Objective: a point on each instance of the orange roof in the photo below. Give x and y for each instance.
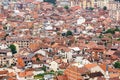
(73, 72)
(29, 0)
(29, 73)
(110, 52)
(34, 46)
(4, 72)
(36, 2)
(11, 79)
(20, 62)
(2, 34)
(58, 61)
(62, 77)
(103, 66)
(21, 74)
(91, 44)
(1, 20)
(114, 75)
(25, 73)
(55, 45)
(12, 74)
(75, 8)
(89, 66)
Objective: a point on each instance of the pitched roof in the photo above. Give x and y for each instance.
(3, 72)
(74, 72)
(114, 75)
(62, 77)
(89, 66)
(12, 74)
(25, 73)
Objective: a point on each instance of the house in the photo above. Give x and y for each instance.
(62, 77)
(80, 20)
(7, 61)
(75, 50)
(62, 3)
(37, 65)
(2, 34)
(3, 74)
(75, 73)
(37, 71)
(25, 75)
(109, 54)
(93, 67)
(93, 76)
(83, 3)
(3, 46)
(20, 63)
(22, 42)
(54, 65)
(5, 52)
(102, 3)
(48, 77)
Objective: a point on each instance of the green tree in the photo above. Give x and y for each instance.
(100, 36)
(116, 64)
(66, 7)
(91, 8)
(112, 31)
(13, 48)
(59, 72)
(117, 29)
(117, 0)
(69, 33)
(37, 59)
(104, 8)
(50, 1)
(44, 68)
(118, 39)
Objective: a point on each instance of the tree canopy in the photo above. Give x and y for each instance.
(13, 48)
(112, 31)
(91, 8)
(104, 8)
(37, 59)
(44, 68)
(117, 0)
(116, 64)
(69, 33)
(66, 7)
(50, 1)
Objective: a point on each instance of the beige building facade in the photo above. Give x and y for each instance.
(83, 3)
(114, 10)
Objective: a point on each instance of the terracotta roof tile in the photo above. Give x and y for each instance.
(114, 75)
(103, 66)
(3, 72)
(25, 73)
(89, 66)
(12, 74)
(62, 77)
(73, 72)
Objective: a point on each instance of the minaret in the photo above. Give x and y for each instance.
(107, 73)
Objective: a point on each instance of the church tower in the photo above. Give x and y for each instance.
(107, 73)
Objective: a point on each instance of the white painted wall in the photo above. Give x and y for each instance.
(54, 65)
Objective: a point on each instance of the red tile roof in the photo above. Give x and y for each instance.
(62, 77)
(3, 72)
(89, 66)
(74, 73)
